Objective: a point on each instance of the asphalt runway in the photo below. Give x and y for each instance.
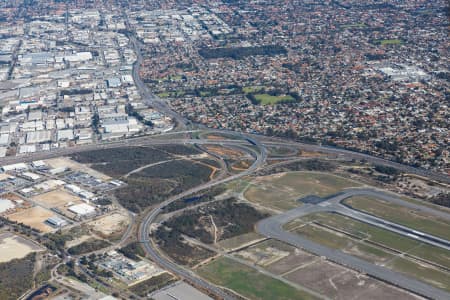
(272, 227)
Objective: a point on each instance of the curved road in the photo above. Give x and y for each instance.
(153, 214)
(271, 226)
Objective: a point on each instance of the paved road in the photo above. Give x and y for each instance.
(182, 124)
(334, 204)
(272, 228)
(360, 156)
(390, 197)
(152, 250)
(150, 98)
(254, 266)
(150, 140)
(137, 141)
(397, 228)
(259, 142)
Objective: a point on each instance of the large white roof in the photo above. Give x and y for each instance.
(6, 204)
(82, 209)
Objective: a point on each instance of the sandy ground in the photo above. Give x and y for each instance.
(4, 176)
(225, 151)
(56, 198)
(68, 163)
(110, 224)
(13, 246)
(33, 217)
(78, 241)
(337, 282)
(214, 137)
(12, 197)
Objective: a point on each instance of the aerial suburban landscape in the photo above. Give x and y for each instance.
(225, 149)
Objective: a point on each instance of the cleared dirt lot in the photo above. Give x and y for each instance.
(57, 198)
(316, 273)
(110, 224)
(296, 259)
(33, 217)
(337, 282)
(225, 151)
(60, 162)
(13, 246)
(265, 253)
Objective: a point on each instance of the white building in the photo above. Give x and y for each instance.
(15, 167)
(30, 176)
(65, 134)
(82, 209)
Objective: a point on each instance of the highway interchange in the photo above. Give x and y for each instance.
(152, 250)
(271, 227)
(265, 227)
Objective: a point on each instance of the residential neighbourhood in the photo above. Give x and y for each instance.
(361, 76)
(224, 149)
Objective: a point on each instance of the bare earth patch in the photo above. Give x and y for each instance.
(14, 246)
(34, 217)
(60, 162)
(296, 259)
(78, 241)
(110, 224)
(338, 282)
(57, 198)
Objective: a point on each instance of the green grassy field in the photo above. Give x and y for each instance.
(249, 282)
(282, 191)
(384, 237)
(282, 151)
(390, 42)
(164, 95)
(252, 89)
(402, 215)
(239, 240)
(171, 94)
(324, 237)
(430, 275)
(342, 242)
(293, 224)
(357, 238)
(266, 99)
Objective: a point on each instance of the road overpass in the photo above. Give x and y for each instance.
(151, 249)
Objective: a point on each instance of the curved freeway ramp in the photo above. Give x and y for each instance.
(150, 218)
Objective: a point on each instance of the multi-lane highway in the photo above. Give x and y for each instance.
(272, 227)
(153, 252)
(260, 142)
(148, 97)
(182, 124)
(240, 139)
